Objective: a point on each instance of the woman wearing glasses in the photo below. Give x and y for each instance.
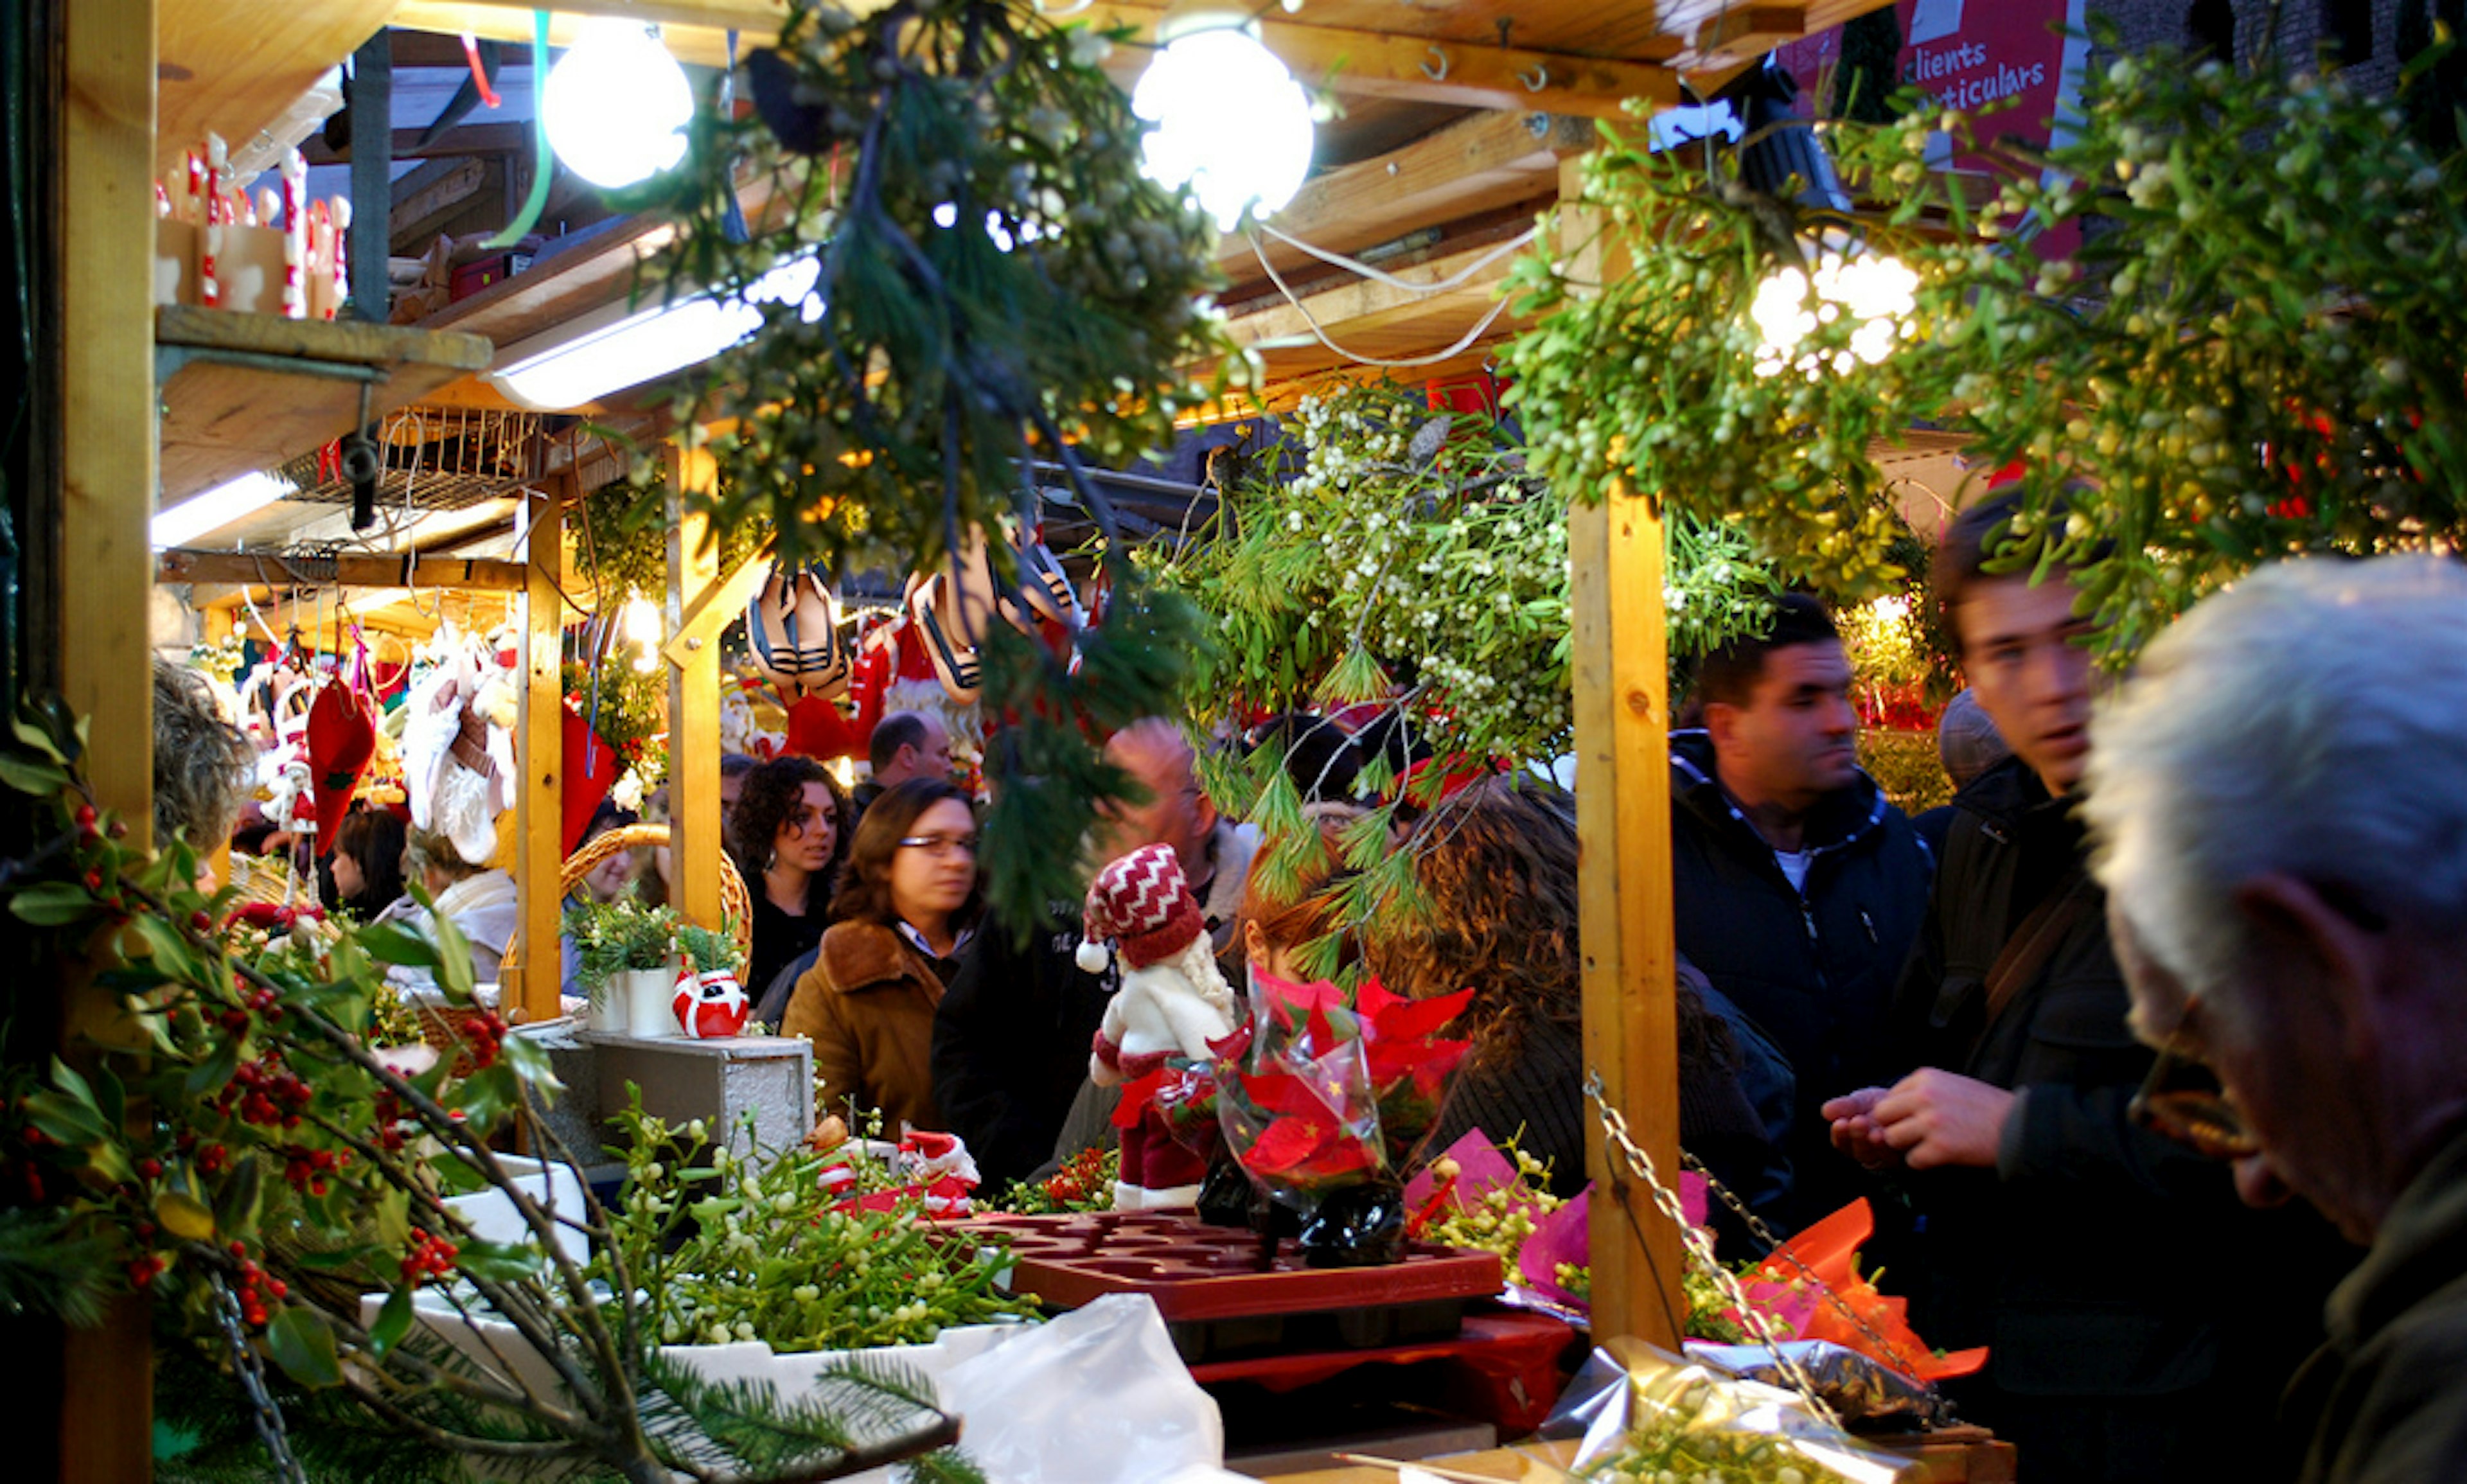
(786, 833)
(906, 904)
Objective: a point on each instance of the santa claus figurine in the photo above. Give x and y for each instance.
(1172, 1003)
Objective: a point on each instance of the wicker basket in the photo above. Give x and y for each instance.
(734, 902)
(441, 1025)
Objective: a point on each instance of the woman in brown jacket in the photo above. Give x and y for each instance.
(906, 904)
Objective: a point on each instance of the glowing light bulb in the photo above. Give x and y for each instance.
(1230, 119)
(617, 105)
(1876, 291)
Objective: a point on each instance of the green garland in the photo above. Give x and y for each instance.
(995, 278)
(2261, 351)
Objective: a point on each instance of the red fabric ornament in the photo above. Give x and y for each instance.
(1144, 903)
(592, 768)
(341, 739)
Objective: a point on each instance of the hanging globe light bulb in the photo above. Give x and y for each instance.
(1230, 119)
(617, 105)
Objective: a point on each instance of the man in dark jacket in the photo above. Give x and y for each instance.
(2280, 794)
(1797, 886)
(2139, 1322)
(1012, 1035)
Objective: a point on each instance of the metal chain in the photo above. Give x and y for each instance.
(1776, 1248)
(252, 1380)
(1700, 1246)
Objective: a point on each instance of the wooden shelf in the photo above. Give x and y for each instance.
(244, 391)
(234, 66)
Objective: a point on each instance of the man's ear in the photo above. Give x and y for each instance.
(1722, 723)
(1206, 810)
(2298, 944)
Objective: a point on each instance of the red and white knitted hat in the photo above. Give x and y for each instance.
(1143, 903)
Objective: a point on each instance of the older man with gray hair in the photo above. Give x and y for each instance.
(2279, 801)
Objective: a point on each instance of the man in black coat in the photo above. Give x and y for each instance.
(1797, 886)
(2139, 1322)
(1012, 1035)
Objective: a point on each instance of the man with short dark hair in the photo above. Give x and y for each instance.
(2138, 1322)
(905, 745)
(1797, 886)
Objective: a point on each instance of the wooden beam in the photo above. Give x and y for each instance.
(467, 574)
(1743, 34)
(701, 40)
(105, 177)
(718, 605)
(234, 66)
(1614, 549)
(1482, 164)
(693, 698)
(433, 189)
(469, 139)
(539, 758)
(1386, 64)
(1370, 318)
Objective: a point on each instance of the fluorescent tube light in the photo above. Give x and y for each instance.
(215, 509)
(620, 346)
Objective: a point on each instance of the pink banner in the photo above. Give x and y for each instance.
(2026, 56)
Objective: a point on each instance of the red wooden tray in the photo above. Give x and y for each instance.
(1197, 1271)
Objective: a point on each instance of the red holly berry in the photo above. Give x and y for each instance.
(85, 816)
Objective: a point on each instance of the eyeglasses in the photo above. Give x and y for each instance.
(940, 845)
(2182, 1099)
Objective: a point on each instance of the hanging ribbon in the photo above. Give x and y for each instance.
(545, 163)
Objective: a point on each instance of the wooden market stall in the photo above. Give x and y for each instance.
(1460, 121)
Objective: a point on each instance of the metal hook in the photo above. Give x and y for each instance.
(1535, 81)
(1442, 74)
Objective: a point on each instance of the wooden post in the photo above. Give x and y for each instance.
(694, 701)
(1615, 551)
(107, 460)
(539, 756)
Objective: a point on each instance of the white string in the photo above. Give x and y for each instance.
(1463, 343)
(1354, 265)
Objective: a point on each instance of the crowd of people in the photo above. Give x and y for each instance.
(2193, 940)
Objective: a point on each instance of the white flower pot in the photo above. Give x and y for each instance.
(651, 1001)
(607, 1011)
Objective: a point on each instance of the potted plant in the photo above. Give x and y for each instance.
(628, 966)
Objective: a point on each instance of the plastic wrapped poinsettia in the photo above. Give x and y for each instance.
(1334, 1097)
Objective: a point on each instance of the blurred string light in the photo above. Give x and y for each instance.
(641, 626)
(1876, 290)
(617, 105)
(1229, 119)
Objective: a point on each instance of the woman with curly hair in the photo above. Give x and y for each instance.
(788, 832)
(203, 765)
(906, 904)
(1498, 864)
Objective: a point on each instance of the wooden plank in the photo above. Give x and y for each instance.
(1376, 320)
(234, 66)
(693, 698)
(468, 139)
(407, 571)
(1615, 547)
(1393, 62)
(221, 420)
(1482, 164)
(696, 34)
(432, 190)
(106, 474)
(535, 982)
(718, 605)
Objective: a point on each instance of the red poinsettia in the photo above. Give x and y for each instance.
(1347, 1083)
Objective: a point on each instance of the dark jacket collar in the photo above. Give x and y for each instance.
(2010, 797)
(2421, 1248)
(1837, 820)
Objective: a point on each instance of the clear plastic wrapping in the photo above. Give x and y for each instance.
(1659, 1417)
